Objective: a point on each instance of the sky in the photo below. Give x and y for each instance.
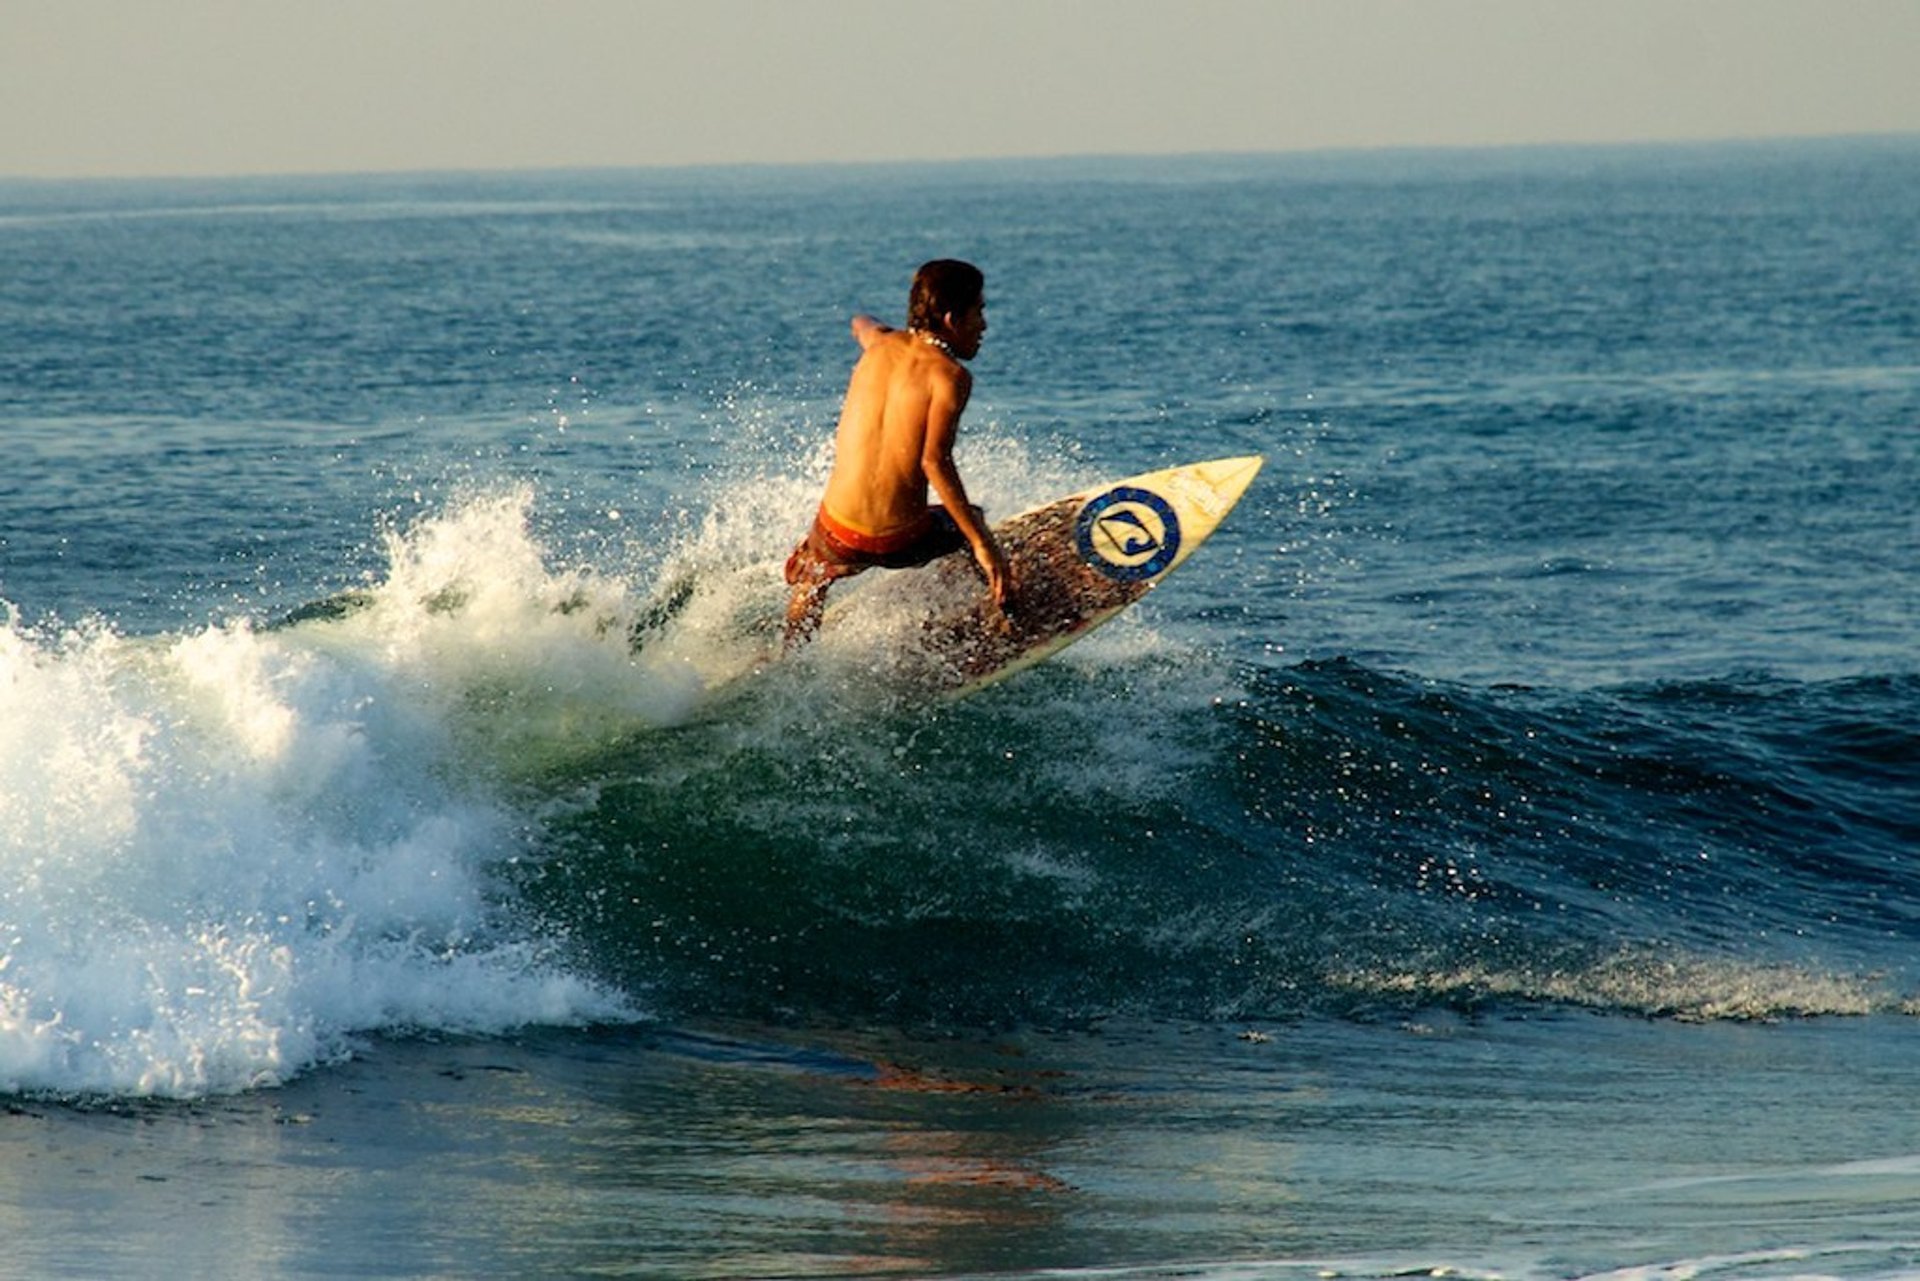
(92, 88)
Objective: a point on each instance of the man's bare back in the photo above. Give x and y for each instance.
(895, 440)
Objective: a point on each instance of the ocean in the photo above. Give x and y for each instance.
(1493, 855)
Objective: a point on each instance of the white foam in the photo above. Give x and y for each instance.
(1674, 984)
(225, 855)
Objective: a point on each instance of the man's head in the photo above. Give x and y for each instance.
(948, 301)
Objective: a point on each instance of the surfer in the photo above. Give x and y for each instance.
(895, 438)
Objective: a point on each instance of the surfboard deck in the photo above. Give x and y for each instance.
(1076, 561)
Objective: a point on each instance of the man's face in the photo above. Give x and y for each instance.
(968, 329)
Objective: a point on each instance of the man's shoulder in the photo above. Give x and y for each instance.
(888, 346)
(907, 355)
(936, 370)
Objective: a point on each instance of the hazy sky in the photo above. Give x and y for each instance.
(126, 87)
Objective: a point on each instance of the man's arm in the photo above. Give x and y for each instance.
(949, 398)
(866, 329)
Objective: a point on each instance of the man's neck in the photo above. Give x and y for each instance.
(934, 340)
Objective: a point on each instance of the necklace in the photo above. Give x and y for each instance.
(934, 340)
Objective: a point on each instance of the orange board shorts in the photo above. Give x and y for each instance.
(832, 551)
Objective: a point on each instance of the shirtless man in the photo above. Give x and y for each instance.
(896, 434)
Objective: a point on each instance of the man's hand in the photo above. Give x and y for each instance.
(993, 563)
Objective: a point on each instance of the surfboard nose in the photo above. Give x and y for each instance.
(1205, 492)
(1229, 477)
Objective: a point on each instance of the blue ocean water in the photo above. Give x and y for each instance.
(1493, 853)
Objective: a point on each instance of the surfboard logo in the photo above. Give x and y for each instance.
(1128, 533)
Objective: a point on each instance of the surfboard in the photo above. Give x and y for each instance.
(1076, 561)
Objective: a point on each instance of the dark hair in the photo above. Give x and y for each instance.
(943, 287)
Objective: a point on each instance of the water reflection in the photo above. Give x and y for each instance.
(645, 1152)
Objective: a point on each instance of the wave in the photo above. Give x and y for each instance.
(461, 799)
(227, 854)
(1147, 831)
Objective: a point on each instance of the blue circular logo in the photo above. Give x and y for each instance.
(1128, 534)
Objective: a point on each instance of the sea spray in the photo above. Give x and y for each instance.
(226, 854)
